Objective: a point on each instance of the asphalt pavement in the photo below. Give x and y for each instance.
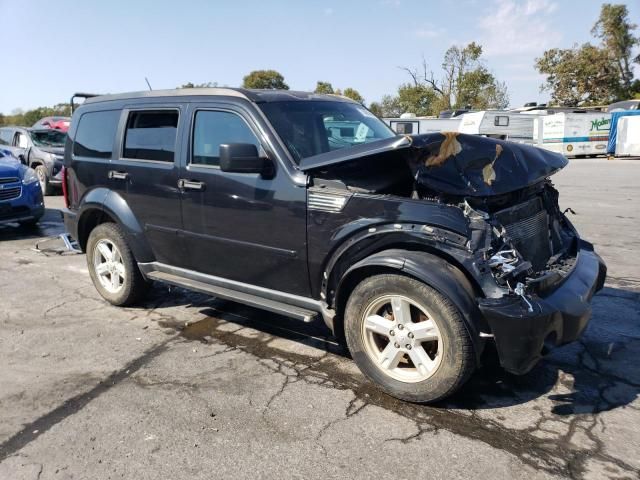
(187, 386)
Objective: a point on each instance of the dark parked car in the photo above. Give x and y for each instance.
(40, 149)
(20, 195)
(416, 250)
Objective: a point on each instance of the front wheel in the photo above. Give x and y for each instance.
(408, 338)
(43, 178)
(112, 266)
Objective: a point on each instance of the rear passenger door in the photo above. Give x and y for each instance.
(240, 226)
(145, 173)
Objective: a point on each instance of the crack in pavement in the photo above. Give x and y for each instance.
(34, 429)
(556, 457)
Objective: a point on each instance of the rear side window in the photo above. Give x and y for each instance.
(211, 129)
(96, 133)
(151, 135)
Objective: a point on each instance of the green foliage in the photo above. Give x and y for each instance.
(615, 31)
(324, 87)
(418, 99)
(353, 94)
(465, 81)
(265, 79)
(28, 118)
(390, 106)
(376, 109)
(199, 85)
(591, 75)
(579, 76)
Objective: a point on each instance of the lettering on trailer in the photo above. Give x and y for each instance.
(599, 123)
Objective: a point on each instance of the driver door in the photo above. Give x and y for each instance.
(241, 226)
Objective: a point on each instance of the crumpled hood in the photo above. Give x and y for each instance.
(456, 163)
(470, 165)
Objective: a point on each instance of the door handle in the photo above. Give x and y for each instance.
(190, 185)
(118, 175)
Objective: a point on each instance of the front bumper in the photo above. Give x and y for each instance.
(523, 337)
(28, 206)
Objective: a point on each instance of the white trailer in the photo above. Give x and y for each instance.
(411, 125)
(574, 134)
(628, 137)
(513, 126)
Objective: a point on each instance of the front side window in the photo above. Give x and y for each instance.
(151, 135)
(214, 128)
(312, 127)
(96, 133)
(21, 140)
(48, 138)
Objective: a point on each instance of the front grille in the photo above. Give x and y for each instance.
(8, 180)
(10, 193)
(527, 224)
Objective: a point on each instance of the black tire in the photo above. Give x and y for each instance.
(134, 285)
(43, 178)
(455, 366)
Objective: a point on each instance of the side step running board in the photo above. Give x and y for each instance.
(240, 297)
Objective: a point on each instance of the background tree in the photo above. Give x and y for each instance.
(578, 76)
(615, 31)
(266, 79)
(324, 87)
(199, 85)
(376, 109)
(464, 81)
(418, 99)
(353, 94)
(592, 75)
(390, 106)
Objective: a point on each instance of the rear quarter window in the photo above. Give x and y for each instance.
(96, 133)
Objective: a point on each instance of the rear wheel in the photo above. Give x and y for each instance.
(112, 266)
(408, 338)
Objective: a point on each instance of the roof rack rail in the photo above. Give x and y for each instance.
(80, 95)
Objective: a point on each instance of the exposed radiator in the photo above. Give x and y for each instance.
(528, 226)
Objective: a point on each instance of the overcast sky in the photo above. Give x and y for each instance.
(52, 49)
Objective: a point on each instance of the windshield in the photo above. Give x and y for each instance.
(313, 127)
(49, 138)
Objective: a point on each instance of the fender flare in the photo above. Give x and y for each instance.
(445, 278)
(116, 207)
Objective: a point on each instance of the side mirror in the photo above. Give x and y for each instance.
(22, 158)
(242, 158)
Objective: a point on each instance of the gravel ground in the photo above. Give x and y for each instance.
(187, 386)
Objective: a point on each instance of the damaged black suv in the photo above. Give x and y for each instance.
(416, 250)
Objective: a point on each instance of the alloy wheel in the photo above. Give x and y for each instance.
(402, 338)
(108, 265)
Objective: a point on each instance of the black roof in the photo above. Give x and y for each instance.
(254, 95)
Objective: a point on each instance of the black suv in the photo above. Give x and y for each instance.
(415, 250)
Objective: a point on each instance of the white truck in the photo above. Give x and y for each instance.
(574, 134)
